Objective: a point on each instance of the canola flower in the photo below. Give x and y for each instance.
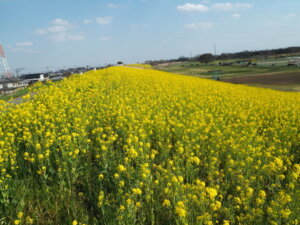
(130, 146)
(142, 66)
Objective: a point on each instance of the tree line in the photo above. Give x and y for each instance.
(208, 57)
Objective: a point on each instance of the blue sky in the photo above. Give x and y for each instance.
(41, 34)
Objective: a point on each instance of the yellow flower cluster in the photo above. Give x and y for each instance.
(131, 146)
(142, 66)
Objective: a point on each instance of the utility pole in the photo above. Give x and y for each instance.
(215, 50)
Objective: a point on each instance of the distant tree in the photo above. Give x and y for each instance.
(206, 58)
(223, 56)
(182, 59)
(120, 63)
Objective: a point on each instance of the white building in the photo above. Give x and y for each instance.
(32, 78)
(10, 85)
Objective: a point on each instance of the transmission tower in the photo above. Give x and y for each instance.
(4, 68)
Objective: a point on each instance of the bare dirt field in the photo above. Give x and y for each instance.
(269, 79)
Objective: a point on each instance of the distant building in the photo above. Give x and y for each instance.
(295, 62)
(32, 78)
(56, 76)
(10, 84)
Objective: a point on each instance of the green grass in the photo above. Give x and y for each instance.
(23, 91)
(17, 94)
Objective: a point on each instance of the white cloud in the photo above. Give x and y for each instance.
(60, 22)
(87, 21)
(199, 26)
(41, 31)
(228, 6)
(113, 6)
(24, 44)
(236, 15)
(21, 47)
(59, 25)
(104, 20)
(56, 29)
(190, 7)
(105, 39)
(20, 50)
(76, 37)
(59, 37)
(290, 15)
(59, 31)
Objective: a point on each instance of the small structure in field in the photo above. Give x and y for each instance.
(9, 85)
(56, 76)
(295, 62)
(33, 78)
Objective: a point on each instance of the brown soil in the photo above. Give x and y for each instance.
(271, 79)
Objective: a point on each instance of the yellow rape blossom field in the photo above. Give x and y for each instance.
(130, 146)
(142, 66)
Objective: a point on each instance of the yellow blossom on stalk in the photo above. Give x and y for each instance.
(40, 156)
(180, 179)
(195, 160)
(180, 150)
(226, 222)
(211, 192)
(121, 183)
(20, 215)
(121, 168)
(29, 220)
(285, 213)
(103, 148)
(180, 209)
(166, 203)
(38, 146)
(136, 191)
(128, 201)
(237, 200)
(216, 206)
(249, 191)
(100, 198)
(262, 194)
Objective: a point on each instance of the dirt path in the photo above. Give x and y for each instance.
(19, 100)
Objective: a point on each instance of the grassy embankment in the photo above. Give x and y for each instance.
(225, 72)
